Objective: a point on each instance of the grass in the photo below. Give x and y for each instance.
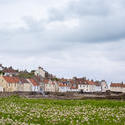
(21, 111)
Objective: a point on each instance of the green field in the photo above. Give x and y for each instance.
(21, 111)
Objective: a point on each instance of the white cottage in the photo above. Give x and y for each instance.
(64, 87)
(40, 72)
(104, 86)
(73, 86)
(24, 85)
(10, 71)
(1, 89)
(83, 87)
(35, 85)
(93, 86)
(117, 87)
(50, 86)
(89, 86)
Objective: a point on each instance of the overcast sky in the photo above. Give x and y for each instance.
(66, 37)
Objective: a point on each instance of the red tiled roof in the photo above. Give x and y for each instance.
(63, 84)
(23, 80)
(93, 83)
(11, 79)
(80, 81)
(72, 87)
(117, 85)
(90, 82)
(34, 82)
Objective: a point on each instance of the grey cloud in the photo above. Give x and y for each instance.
(99, 21)
(82, 8)
(115, 51)
(33, 40)
(89, 7)
(99, 38)
(7, 1)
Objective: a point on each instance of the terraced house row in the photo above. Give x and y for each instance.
(117, 87)
(12, 83)
(41, 81)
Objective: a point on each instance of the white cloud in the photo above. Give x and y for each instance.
(68, 38)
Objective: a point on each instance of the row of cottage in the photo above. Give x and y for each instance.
(43, 81)
(82, 84)
(11, 83)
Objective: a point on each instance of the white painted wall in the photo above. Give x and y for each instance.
(64, 88)
(104, 86)
(89, 88)
(83, 87)
(50, 87)
(117, 89)
(40, 72)
(35, 88)
(1, 89)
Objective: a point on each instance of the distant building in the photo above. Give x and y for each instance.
(41, 72)
(93, 86)
(12, 84)
(49, 86)
(9, 84)
(10, 71)
(117, 87)
(44, 74)
(39, 80)
(73, 86)
(35, 85)
(64, 87)
(83, 86)
(43, 81)
(104, 86)
(24, 85)
(88, 85)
